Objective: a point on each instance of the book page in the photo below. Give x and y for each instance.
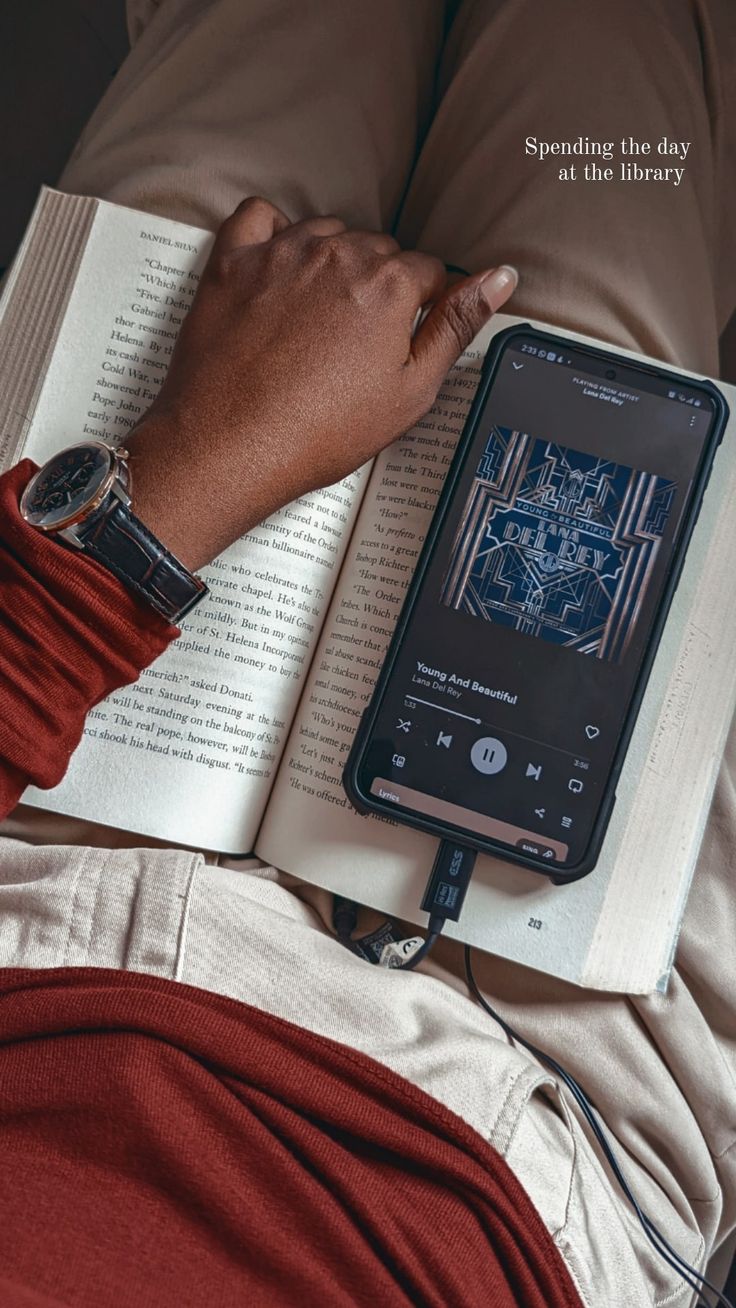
(188, 753)
(614, 929)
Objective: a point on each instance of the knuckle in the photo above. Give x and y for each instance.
(403, 273)
(332, 245)
(330, 249)
(382, 244)
(396, 276)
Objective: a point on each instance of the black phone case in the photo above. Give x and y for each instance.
(367, 803)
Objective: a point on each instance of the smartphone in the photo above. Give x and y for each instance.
(507, 699)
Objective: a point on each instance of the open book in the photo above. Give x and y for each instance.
(236, 738)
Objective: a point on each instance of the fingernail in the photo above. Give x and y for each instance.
(499, 284)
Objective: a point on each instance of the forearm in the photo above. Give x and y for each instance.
(296, 364)
(70, 634)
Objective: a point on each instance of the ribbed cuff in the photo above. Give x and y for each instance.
(70, 634)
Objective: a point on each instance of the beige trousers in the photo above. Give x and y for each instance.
(359, 109)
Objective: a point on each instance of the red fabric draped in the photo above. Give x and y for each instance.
(162, 1145)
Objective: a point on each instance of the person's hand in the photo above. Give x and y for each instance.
(295, 365)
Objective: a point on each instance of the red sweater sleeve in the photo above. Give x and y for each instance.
(70, 634)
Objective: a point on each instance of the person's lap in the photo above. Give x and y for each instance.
(219, 100)
(643, 265)
(649, 268)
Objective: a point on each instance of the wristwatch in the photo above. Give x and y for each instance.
(83, 497)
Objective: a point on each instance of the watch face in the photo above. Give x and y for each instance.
(67, 486)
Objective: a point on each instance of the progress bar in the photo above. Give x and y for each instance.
(412, 699)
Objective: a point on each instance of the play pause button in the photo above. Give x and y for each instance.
(488, 755)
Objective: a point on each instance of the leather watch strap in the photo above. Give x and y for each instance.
(120, 541)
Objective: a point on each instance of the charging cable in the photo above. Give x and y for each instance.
(444, 896)
(443, 899)
(660, 1244)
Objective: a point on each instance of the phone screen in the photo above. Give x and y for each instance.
(518, 667)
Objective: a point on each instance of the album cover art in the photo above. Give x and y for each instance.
(557, 543)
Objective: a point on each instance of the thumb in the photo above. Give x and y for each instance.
(456, 319)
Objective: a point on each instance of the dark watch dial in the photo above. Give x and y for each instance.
(67, 486)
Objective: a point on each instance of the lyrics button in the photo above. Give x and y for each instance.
(535, 848)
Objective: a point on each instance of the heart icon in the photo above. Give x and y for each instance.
(592, 732)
